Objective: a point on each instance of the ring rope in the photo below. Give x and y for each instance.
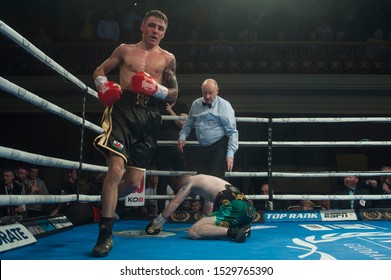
(44, 104)
(48, 106)
(50, 199)
(297, 120)
(34, 51)
(46, 199)
(359, 143)
(19, 155)
(331, 120)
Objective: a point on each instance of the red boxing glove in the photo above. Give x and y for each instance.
(108, 92)
(144, 84)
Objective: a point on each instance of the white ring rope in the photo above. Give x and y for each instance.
(46, 161)
(360, 143)
(331, 120)
(33, 50)
(18, 155)
(298, 120)
(44, 104)
(49, 199)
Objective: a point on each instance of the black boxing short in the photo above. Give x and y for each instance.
(230, 193)
(130, 129)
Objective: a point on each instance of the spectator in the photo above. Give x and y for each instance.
(281, 36)
(195, 205)
(340, 36)
(68, 186)
(80, 213)
(323, 204)
(21, 179)
(185, 206)
(87, 29)
(8, 187)
(108, 28)
(215, 125)
(220, 47)
(381, 186)
(37, 187)
(199, 18)
(324, 31)
(312, 36)
(193, 50)
(248, 33)
(350, 187)
(77, 212)
(267, 205)
(97, 184)
(255, 182)
(130, 22)
(376, 48)
(307, 204)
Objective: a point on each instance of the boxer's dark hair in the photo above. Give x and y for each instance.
(157, 14)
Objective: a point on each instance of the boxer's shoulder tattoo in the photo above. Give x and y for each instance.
(186, 185)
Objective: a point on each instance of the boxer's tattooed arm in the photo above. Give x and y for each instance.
(186, 185)
(170, 81)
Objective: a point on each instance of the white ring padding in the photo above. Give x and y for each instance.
(47, 161)
(50, 199)
(33, 50)
(44, 104)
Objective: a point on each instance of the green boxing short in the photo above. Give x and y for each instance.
(234, 214)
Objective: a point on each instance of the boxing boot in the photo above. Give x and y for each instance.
(240, 234)
(105, 239)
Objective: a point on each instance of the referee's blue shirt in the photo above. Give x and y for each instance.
(211, 124)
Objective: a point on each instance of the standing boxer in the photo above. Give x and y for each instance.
(131, 127)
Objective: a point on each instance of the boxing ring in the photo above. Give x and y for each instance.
(306, 240)
(277, 235)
